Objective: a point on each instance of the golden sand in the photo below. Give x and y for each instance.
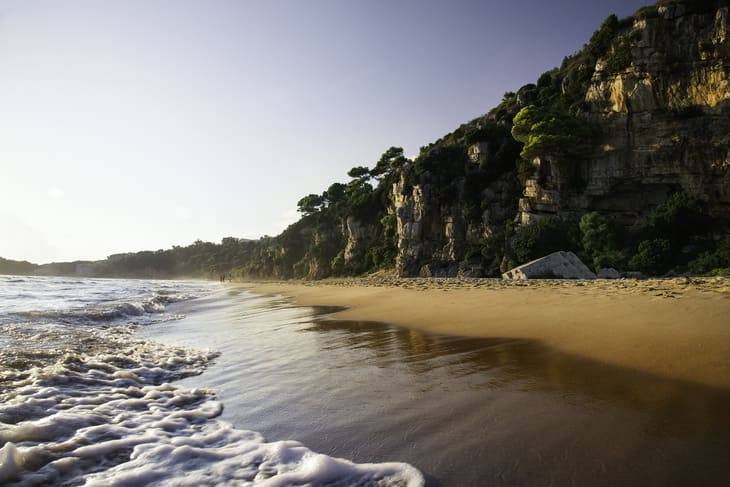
(675, 328)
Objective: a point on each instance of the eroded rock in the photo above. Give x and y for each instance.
(558, 265)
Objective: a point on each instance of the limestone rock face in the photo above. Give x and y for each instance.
(664, 123)
(559, 265)
(358, 237)
(428, 231)
(433, 234)
(318, 264)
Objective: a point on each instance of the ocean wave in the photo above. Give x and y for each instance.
(110, 416)
(103, 312)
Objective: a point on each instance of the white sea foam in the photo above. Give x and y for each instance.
(84, 405)
(115, 419)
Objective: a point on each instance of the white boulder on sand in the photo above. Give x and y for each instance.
(559, 265)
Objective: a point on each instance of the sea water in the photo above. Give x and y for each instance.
(84, 400)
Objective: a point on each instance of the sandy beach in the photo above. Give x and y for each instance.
(673, 328)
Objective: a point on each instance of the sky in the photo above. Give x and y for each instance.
(138, 125)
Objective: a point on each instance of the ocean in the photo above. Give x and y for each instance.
(133, 382)
(84, 400)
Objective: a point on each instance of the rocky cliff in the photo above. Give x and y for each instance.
(654, 88)
(434, 235)
(663, 115)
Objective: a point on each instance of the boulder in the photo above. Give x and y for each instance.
(609, 273)
(559, 265)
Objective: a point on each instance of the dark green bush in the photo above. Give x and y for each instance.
(714, 260)
(620, 58)
(544, 237)
(445, 163)
(545, 80)
(678, 219)
(601, 40)
(600, 239)
(653, 256)
(489, 131)
(552, 133)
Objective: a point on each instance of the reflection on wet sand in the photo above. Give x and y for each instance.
(676, 408)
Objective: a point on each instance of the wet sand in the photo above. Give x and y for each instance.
(466, 411)
(676, 329)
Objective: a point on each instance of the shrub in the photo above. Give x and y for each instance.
(552, 133)
(446, 163)
(717, 259)
(490, 131)
(621, 57)
(653, 256)
(677, 219)
(609, 258)
(599, 236)
(545, 80)
(602, 38)
(543, 237)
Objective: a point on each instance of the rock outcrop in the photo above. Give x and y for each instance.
(430, 233)
(434, 235)
(559, 265)
(358, 237)
(664, 122)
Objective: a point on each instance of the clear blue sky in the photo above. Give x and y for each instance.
(137, 125)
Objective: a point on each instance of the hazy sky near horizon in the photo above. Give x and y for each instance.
(136, 125)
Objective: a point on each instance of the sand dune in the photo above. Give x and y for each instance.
(675, 328)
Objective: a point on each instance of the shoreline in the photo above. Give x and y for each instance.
(673, 328)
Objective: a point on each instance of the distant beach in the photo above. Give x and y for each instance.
(674, 328)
